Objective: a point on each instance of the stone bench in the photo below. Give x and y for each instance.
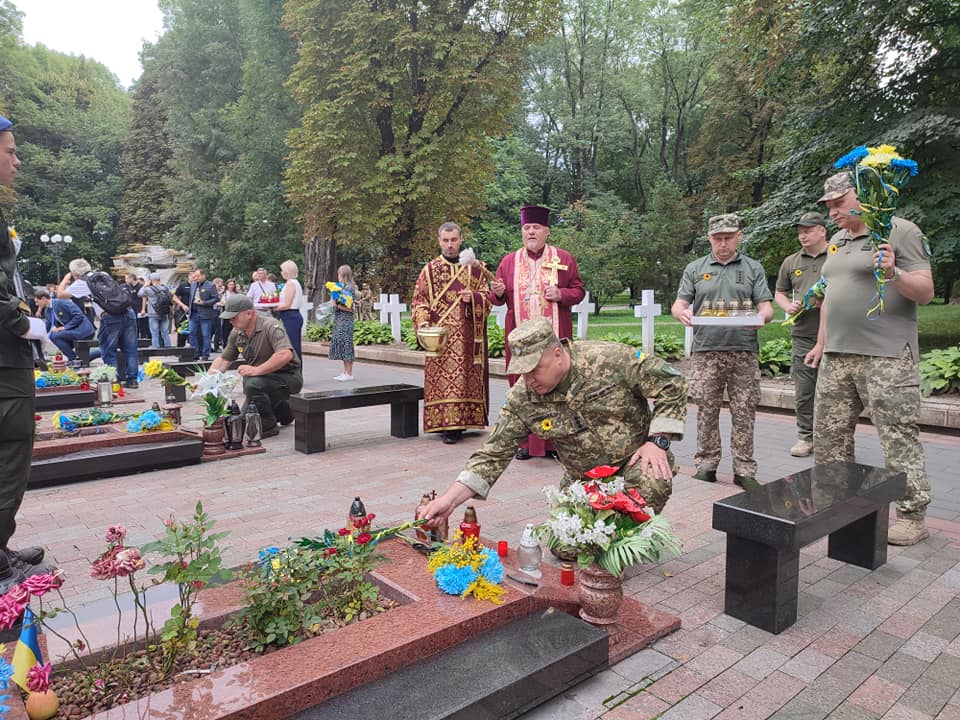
(183, 354)
(768, 524)
(309, 408)
(190, 368)
(83, 348)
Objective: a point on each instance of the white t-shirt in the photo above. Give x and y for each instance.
(297, 301)
(79, 289)
(258, 288)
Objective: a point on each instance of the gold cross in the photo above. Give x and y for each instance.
(553, 266)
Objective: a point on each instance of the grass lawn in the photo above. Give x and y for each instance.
(939, 326)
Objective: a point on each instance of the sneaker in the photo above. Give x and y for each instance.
(345, 378)
(801, 448)
(450, 438)
(909, 529)
(284, 413)
(338, 377)
(131, 384)
(522, 454)
(705, 475)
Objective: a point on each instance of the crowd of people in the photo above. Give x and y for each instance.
(583, 403)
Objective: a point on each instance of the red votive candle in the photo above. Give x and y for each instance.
(503, 548)
(566, 574)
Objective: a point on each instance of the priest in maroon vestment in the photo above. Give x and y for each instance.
(451, 294)
(538, 280)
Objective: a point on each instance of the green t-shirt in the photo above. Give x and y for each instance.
(852, 289)
(798, 273)
(706, 278)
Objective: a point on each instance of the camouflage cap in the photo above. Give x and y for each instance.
(723, 223)
(810, 219)
(527, 343)
(836, 186)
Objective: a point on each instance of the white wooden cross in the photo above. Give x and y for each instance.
(306, 309)
(390, 309)
(583, 310)
(648, 310)
(500, 313)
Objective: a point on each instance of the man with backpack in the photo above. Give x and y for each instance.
(156, 301)
(111, 305)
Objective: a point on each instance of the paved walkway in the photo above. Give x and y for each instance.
(867, 645)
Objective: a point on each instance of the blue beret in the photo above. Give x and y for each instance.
(5, 124)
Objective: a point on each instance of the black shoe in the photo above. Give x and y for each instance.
(705, 475)
(284, 413)
(450, 438)
(32, 555)
(26, 569)
(272, 432)
(552, 454)
(9, 575)
(131, 384)
(522, 454)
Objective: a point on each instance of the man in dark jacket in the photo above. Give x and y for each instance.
(66, 322)
(203, 311)
(17, 404)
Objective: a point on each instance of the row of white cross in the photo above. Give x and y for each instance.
(390, 309)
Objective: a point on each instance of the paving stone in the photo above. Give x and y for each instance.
(826, 588)
(677, 685)
(808, 664)
(728, 623)
(726, 687)
(693, 707)
(927, 695)
(877, 695)
(849, 711)
(848, 574)
(642, 665)
(813, 573)
(951, 711)
(879, 645)
(713, 661)
(642, 706)
(902, 712)
(798, 710)
(902, 668)
(946, 623)
(924, 646)
(945, 669)
(746, 639)
(760, 663)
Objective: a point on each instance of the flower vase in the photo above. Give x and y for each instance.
(213, 437)
(600, 594)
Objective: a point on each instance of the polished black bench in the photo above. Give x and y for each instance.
(183, 354)
(767, 525)
(83, 348)
(309, 409)
(191, 368)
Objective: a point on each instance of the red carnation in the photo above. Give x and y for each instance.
(363, 538)
(343, 532)
(601, 471)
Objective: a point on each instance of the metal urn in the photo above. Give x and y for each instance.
(253, 426)
(433, 338)
(104, 393)
(233, 425)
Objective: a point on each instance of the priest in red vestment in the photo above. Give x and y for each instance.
(538, 280)
(456, 385)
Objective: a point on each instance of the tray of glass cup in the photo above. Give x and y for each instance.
(730, 313)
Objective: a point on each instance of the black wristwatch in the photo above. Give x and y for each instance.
(661, 441)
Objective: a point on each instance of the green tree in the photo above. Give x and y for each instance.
(397, 98)
(145, 212)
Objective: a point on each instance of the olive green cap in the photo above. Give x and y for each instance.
(527, 343)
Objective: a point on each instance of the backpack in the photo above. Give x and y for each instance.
(107, 293)
(162, 300)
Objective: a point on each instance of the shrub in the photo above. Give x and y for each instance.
(409, 335)
(371, 332)
(318, 333)
(940, 371)
(496, 341)
(775, 356)
(665, 345)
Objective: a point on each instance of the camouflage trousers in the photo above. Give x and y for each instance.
(656, 491)
(804, 386)
(889, 389)
(737, 373)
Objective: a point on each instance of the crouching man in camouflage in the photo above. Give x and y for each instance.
(591, 400)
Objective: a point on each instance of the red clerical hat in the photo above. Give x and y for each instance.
(530, 214)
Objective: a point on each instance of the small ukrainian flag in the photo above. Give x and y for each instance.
(27, 652)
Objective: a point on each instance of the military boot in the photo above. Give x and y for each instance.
(909, 529)
(9, 575)
(705, 475)
(32, 555)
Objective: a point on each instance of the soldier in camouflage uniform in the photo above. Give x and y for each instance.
(798, 273)
(591, 400)
(724, 357)
(872, 363)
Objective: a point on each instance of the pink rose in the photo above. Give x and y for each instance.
(115, 534)
(128, 561)
(10, 611)
(39, 585)
(105, 566)
(38, 678)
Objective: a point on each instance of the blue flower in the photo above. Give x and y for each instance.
(852, 158)
(67, 424)
(454, 580)
(134, 425)
(905, 164)
(150, 419)
(41, 382)
(492, 568)
(6, 672)
(140, 374)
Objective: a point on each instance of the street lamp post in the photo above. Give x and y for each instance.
(56, 243)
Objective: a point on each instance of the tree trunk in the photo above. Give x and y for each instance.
(321, 256)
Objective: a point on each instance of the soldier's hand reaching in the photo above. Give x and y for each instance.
(652, 457)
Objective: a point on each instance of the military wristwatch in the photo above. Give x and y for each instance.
(661, 441)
